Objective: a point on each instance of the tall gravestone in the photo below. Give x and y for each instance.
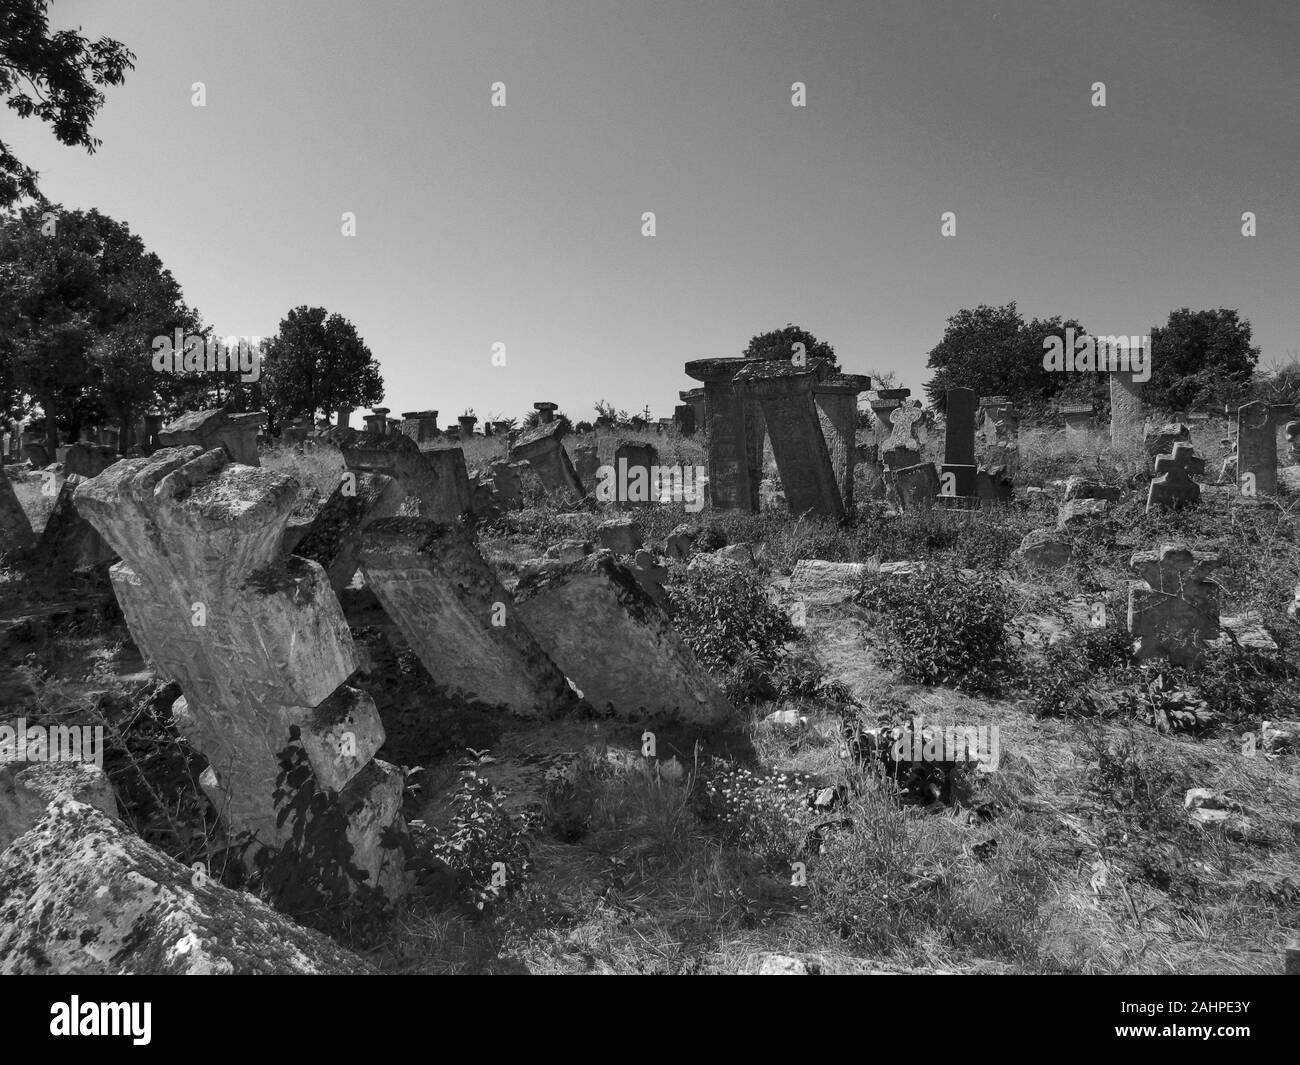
(837, 406)
(785, 392)
(1257, 425)
(735, 434)
(1078, 423)
(957, 475)
(1126, 423)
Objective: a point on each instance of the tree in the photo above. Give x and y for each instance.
(1199, 357)
(54, 77)
(83, 300)
(316, 364)
(995, 352)
(779, 344)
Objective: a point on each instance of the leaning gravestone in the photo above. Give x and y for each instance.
(69, 541)
(16, 534)
(257, 643)
(1126, 423)
(334, 537)
(440, 592)
(837, 407)
(604, 629)
(541, 449)
(237, 433)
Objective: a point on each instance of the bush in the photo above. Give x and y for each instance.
(941, 627)
(481, 835)
(727, 617)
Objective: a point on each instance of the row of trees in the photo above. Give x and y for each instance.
(84, 302)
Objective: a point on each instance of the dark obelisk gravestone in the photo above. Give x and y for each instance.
(959, 444)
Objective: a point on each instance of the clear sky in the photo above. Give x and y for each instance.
(522, 224)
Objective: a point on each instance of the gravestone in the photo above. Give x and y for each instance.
(734, 423)
(1173, 486)
(207, 429)
(462, 624)
(1257, 425)
(257, 643)
(913, 487)
(607, 633)
(545, 412)
(902, 448)
(1126, 423)
(1173, 606)
(333, 539)
(69, 541)
(837, 407)
(436, 478)
(784, 391)
(507, 485)
(1160, 440)
(957, 475)
(620, 535)
(684, 419)
(694, 398)
(16, 536)
(634, 467)
(541, 449)
(1078, 419)
(421, 426)
(1292, 430)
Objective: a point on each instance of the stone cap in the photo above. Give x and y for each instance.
(844, 384)
(690, 394)
(1077, 408)
(545, 405)
(420, 414)
(346, 439)
(777, 370)
(886, 394)
(546, 431)
(720, 368)
(212, 419)
(380, 410)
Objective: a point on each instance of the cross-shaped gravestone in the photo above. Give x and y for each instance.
(903, 448)
(1173, 608)
(1173, 485)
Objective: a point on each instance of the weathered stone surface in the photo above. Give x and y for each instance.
(837, 408)
(1045, 549)
(901, 449)
(1078, 423)
(541, 449)
(1077, 487)
(27, 788)
(333, 539)
(822, 583)
(207, 429)
(681, 542)
(1076, 513)
(959, 465)
(254, 639)
(88, 460)
(993, 485)
(16, 536)
(112, 905)
(437, 478)
(1257, 425)
(634, 464)
(913, 487)
(1125, 411)
(1173, 607)
(1173, 486)
(569, 549)
(736, 431)
(620, 535)
(597, 622)
(586, 463)
(784, 391)
(68, 541)
(442, 594)
(1160, 440)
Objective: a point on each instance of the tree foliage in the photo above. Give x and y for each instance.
(779, 344)
(1199, 357)
(54, 77)
(317, 363)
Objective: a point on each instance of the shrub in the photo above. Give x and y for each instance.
(483, 833)
(942, 627)
(726, 615)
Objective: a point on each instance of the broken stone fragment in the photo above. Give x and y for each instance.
(620, 535)
(605, 632)
(1045, 549)
(1078, 513)
(27, 788)
(112, 905)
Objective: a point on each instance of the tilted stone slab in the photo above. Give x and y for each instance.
(784, 392)
(207, 429)
(334, 538)
(112, 905)
(597, 622)
(432, 581)
(437, 479)
(255, 639)
(542, 450)
(736, 429)
(913, 487)
(837, 407)
(68, 541)
(1173, 606)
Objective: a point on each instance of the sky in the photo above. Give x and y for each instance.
(522, 225)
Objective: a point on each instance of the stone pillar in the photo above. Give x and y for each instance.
(467, 423)
(785, 392)
(257, 643)
(635, 465)
(837, 407)
(545, 412)
(735, 430)
(421, 425)
(1126, 424)
(237, 433)
(1078, 423)
(541, 449)
(459, 620)
(343, 416)
(959, 465)
(694, 398)
(684, 419)
(377, 421)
